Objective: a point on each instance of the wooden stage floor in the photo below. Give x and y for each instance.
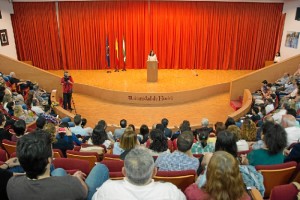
(215, 108)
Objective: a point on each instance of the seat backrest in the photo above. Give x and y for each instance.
(57, 153)
(3, 155)
(275, 175)
(72, 164)
(288, 191)
(296, 176)
(111, 157)
(182, 179)
(114, 165)
(9, 146)
(170, 145)
(91, 157)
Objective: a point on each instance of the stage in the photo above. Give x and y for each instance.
(180, 85)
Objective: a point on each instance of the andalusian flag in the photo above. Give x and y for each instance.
(107, 53)
(124, 50)
(117, 51)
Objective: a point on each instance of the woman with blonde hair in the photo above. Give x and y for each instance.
(127, 142)
(224, 181)
(248, 130)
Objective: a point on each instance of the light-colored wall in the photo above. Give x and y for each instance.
(5, 23)
(291, 24)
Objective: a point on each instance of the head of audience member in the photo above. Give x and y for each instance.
(102, 123)
(2, 120)
(264, 82)
(292, 112)
(19, 99)
(268, 118)
(226, 141)
(139, 167)
(288, 121)
(262, 109)
(35, 102)
(12, 75)
(202, 137)
(51, 129)
(160, 127)
(219, 126)
(235, 130)
(274, 137)
(185, 141)
(248, 130)
(123, 123)
(132, 127)
(7, 98)
(224, 180)
(83, 122)
(99, 135)
(18, 111)
(40, 122)
(255, 110)
(185, 126)
(10, 106)
(159, 143)
(35, 153)
(19, 127)
(64, 125)
(47, 108)
(77, 120)
(2, 93)
(229, 121)
(165, 122)
(204, 122)
(128, 139)
(144, 130)
(277, 54)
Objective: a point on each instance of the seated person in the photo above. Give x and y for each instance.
(35, 156)
(181, 159)
(201, 146)
(19, 128)
(275, 140)
(138, 183)
(224, 180)
(143, 136)
(78, 130)
(158, 143)
(61, 143)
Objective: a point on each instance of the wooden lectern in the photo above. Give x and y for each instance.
(152, 71)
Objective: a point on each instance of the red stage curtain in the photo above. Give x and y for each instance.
(36, 34)
(84, 27)
(185, 35)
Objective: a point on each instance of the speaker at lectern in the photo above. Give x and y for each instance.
(152, 71)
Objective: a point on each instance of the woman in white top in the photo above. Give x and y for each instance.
(277, 57)
(152, 56)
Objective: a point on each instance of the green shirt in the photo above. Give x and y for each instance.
(197, 148)
(262, 157)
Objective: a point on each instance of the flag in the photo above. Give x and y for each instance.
(124, 50)
(107, 53)
(117, 52)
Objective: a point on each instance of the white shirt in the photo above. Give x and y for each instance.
(269, 108)
(242, 145)
(122, 189)
(277, 59)
(293, 134)
(38, 110)
(278, 115)
(152, 58)
(78, 130)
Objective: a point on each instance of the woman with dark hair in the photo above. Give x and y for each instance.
(229, 121)
(255, 114)
(99, 137)
(275, 140)
(158, 143)
(10, 107)
(152, 56)
(143, 136)
(224, 180)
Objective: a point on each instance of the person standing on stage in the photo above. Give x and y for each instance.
(67, 83)
(152, 56)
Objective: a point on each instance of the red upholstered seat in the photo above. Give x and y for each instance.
(91, 157)
(182, 179)
(115, 168)
(275, 175)
(3, 155)
(111, 157)
(72, 165)
(57, 153)
(9, 146)
(286, 192)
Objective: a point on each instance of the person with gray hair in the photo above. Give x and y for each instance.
(138, 183)
(289, 123)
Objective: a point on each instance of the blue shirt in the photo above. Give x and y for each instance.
(78, 130)
(176, 161)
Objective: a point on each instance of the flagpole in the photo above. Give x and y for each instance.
(117, 55)
(124, 54)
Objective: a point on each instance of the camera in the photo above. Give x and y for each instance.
(66, 78)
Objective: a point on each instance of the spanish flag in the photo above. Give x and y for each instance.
(117, 52)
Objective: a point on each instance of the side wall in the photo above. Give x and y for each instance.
(290, 24)
(5, 22)
(271, 73)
